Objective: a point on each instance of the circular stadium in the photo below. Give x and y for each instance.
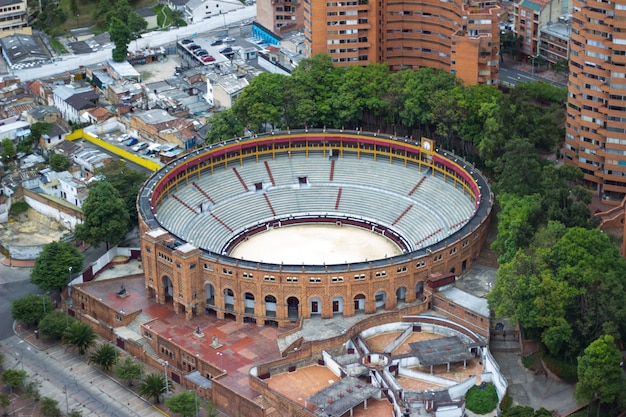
(274, 228)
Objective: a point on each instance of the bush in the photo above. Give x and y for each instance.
(481, 399)
(18, 208)
(563, 368)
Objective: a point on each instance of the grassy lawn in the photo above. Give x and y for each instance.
(165, 18)
(85, 18)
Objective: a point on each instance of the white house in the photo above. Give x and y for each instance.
(223, 90)
(197, 10)
(72, 101)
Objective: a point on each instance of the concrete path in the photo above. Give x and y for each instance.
(536, 391)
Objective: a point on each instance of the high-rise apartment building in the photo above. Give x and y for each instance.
(460, 36)
(596, 109)
(280, 16)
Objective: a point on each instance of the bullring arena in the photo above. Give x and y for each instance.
(272, 229)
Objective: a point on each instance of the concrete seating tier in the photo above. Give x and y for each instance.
(376, 191)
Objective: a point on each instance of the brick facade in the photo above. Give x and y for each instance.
(196, 282)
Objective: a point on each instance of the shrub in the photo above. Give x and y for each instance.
(18, 208)
(481, 399)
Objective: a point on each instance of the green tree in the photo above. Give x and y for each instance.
(52, 267)
(261, 102)
(49, 407)
(59, 162)
(54, 324)
(526, 411)
(75, 413)
(105, 357)
(36, 131)
(106, 216)
(14, 378)
(31, 309)
(481, 400)
(223, 126)
(8, 150)
(600, 376)
(127, 182)
(128, 370)
(120, 36)
(5, 402)
(152, 386)
(32, 390)
(183, 403)
(79, 336)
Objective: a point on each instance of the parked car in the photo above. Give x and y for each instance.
(208, 58)
(229, 39)
(140, 146)
(200, 52)
(186, 41)
(216, 42)
(246, 22)
(227, 50)
(123, 138)
(131, 141)
(193, 47)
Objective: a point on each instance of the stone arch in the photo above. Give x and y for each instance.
(168, 288)
(248, 303)
(270, 305)
(401, 294)
(359, 302)
(419, 290)
(380, 299)
(229, 299)
(293, 308)
(337, 304)
(315, 306)
(209, 291)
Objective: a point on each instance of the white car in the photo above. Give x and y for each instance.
(123, 138)
(140, 146)
(228, 40)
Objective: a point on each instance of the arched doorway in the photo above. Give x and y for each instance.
(419, 290)
(293, 308)
(315, 306)
(270, 306)
(209, 291)
(248, 303)
(229, 299)
(401, 294)
(381, 298)
(337, 305)
(359, 303)
(168, 288)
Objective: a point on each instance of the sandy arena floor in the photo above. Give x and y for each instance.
(32, 229)
(315, 244)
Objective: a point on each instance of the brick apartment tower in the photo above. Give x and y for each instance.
(596, 109)
(460, 36)
(280, 16)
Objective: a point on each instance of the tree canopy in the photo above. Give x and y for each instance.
(106, 216)
(54, 324)
(31, 308)
(184, 403)
(59, 162)
(127, 182)
(565, 288)
(152, 386)
(600, 375)
(79, 336)
(52, 267)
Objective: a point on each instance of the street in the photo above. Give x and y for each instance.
(151, 39)
(73, 383)
(510, 75)
(14, 284)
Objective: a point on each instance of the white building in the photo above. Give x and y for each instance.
(72, 101)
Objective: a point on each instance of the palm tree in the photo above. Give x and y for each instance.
(80, 336)
(152, 386)
(105, 357)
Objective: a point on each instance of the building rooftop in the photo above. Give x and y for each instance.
(23, 51)
(557, 29)
(467, 300)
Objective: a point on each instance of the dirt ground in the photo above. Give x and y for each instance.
(31, 228)
(315, 244)
(158, 71)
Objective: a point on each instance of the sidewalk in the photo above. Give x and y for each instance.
(64, 377)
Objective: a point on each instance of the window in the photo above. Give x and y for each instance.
(269, 278)
(315, 280)
(420, 264)
(337, 279)
(380, 274)
(466, 243)
(292, 279)
(438, 258)
(227, 271)
(452, 251)
(208, 267)
(247, 275)
(401, 269)
(359, 277)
